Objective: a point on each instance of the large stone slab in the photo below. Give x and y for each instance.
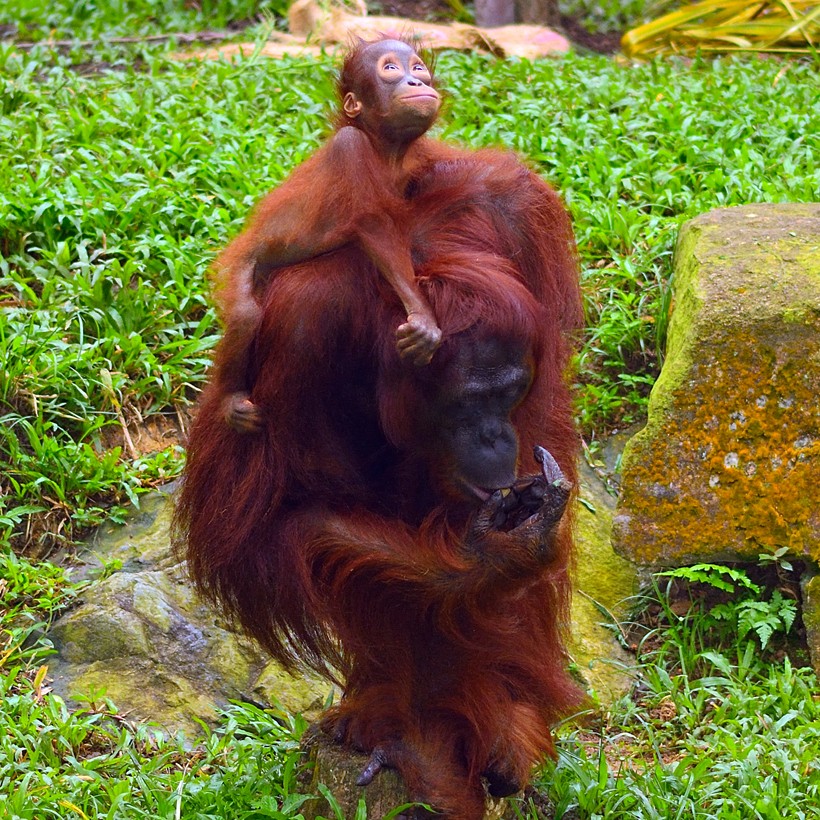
(728, 465)
(144, 639)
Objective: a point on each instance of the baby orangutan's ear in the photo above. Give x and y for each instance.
(352, 105)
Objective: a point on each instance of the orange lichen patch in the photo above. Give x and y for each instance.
(729, 463)
(734, 470)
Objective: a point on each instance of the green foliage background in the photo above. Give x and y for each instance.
(123, 171)
(123, 179)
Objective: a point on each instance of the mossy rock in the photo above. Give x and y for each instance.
(811, 617)
(142, 638)
(604, 588)
(728, 464)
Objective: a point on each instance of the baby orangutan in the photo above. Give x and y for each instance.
(350, 190)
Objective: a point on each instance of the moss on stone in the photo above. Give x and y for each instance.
(95, 633)
(165, 698)
(811, 617)
(303, 693)
(604, 583)
(729, 461)
(152, 603)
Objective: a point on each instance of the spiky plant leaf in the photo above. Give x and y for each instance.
(774, 26)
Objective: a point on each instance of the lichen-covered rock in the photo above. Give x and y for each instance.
(728, 465)
(144, 639)
(604, 583)
(811, 617)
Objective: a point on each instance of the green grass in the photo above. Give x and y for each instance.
(122, 179)
(739, 741)
(122, 185)
(609, 15)
(36, 20)
(715, 728)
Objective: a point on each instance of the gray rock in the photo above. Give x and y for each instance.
(144, 639)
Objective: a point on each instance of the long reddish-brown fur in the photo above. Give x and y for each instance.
(332, 538)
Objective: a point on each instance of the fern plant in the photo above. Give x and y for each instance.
(747, 611)
(763, 618)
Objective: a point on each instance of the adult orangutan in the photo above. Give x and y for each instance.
(386, 526)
